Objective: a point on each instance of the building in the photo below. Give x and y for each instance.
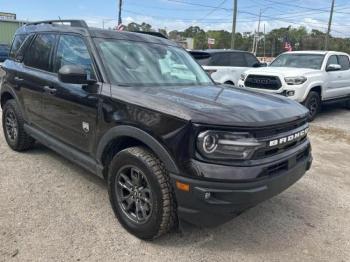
(186, 43)
(8, 27)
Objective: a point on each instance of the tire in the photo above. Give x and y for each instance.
(13, 127)
(313, 103)
(158, 214)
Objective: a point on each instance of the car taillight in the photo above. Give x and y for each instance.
(210, 72)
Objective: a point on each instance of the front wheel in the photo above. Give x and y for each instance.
(313, 103)
(140, 193)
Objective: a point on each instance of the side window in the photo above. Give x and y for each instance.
(219, 59)
(237, 59)
(39, 53)
(16, 44)
(344, 62)
(332, 60)
(251, 60)
(72, 50)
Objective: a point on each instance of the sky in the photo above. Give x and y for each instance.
(180, 14)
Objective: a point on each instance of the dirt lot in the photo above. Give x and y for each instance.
(51, 209)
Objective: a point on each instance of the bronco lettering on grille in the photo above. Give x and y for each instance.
(288, 139)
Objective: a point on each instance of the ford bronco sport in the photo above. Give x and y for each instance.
(138, 111)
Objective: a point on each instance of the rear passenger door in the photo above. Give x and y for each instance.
(34, 74)
(70, 110)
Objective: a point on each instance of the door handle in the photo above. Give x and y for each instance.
(18, 79)
(50, 90)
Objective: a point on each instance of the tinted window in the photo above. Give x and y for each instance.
(237, 59)
(220, 59)
(344, 62)
(332, 60)
(72, 50)
(39, 53)
(16, 44)
(251, 60)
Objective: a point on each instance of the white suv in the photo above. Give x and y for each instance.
(309, 77)
(226, 66)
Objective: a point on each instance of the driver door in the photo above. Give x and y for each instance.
(335, 79)
(70, 110)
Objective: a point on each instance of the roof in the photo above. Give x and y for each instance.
(211, 51)
(315, 52)
(80, 27)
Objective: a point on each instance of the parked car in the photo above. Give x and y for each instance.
(138, 111)
(226, 66)
(309, 77)
(4, 52)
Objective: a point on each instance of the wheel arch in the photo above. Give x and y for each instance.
(316, 88)
(122, 137)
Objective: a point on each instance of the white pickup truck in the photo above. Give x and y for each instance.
(226, 66)
(309, 77)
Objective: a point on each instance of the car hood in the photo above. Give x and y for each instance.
(285, 71)
(214, 104)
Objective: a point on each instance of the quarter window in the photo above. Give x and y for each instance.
(16, 44)
(72, 50)
(39, 53)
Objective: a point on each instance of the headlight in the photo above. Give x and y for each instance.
(298, 80)
(223, 145)
(243, 77)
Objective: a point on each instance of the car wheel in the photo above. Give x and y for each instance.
(13, 126)
(140, 193)
(313, 103)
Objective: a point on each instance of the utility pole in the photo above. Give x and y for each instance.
(257, 37)
(120, 12)
(329, 26)
(264, 42)
(234, 20)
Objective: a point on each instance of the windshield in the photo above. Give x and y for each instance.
(313, 61)
(145, 64)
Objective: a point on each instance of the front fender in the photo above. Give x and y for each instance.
(136, 133)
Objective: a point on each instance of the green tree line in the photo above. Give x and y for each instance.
(271, 44)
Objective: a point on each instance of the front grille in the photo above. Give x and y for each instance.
(263, 82)
(275, 130)
(267, 135)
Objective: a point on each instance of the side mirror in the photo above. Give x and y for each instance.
(333, 67)
(73, 74)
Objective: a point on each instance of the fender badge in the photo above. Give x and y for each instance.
(86, 127)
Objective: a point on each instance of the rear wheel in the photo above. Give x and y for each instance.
(313, 103)
(13, 126)
(140, 193)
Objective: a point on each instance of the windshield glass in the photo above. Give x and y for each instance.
(313, 61)
(145, 64)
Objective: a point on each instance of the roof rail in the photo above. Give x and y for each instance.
(73, 23)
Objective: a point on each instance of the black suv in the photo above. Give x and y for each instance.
(138, 111)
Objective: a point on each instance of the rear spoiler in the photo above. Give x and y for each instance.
(199, 54)
(151, 33)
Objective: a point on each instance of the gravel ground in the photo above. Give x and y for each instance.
(52, 210)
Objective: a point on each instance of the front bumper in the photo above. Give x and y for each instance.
(210, 203)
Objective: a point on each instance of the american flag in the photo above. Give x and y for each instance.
(287, 45)
(120, 27)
